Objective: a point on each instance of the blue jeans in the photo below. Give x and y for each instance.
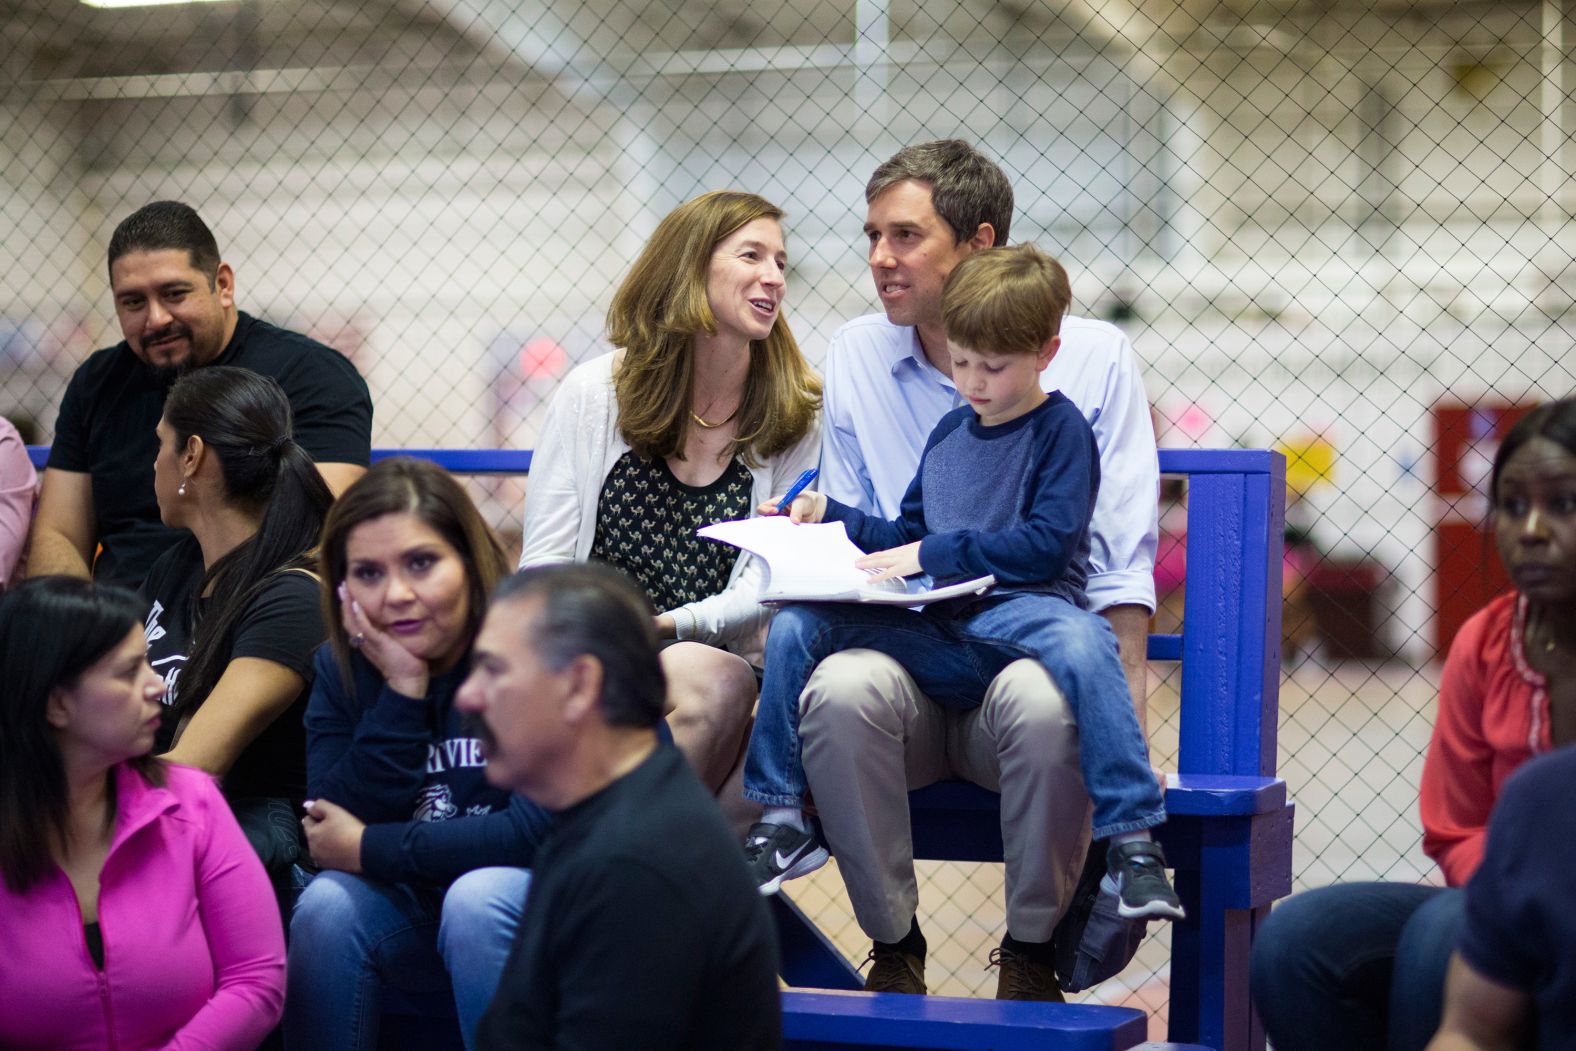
(952, 659)
(1356, 966)
(350, 937)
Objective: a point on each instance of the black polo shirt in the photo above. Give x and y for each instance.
(114, 402)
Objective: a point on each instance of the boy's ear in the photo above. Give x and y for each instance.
(1047, 352)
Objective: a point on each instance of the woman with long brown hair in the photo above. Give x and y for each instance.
(705, 409)
(424, 863)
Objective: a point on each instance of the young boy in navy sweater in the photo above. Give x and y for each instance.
(1006, 486)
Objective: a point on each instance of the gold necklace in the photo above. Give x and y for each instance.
(713, 426)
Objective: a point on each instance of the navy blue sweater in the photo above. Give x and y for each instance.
(413, 771)
(1013, 500)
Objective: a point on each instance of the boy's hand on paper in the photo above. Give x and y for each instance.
(893, 562)
(806, 507)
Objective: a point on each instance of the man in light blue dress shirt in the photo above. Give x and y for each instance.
(868, 734)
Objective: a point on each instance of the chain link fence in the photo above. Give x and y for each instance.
(1338, 228)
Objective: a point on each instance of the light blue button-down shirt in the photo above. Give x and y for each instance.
(883, 398)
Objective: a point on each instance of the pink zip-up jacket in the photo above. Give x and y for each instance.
(194, 955)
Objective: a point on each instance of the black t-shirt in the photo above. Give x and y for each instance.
(283, 624)
(114, 401)
(642, 929)
(1520, 929)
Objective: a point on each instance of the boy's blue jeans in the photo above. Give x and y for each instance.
(953, 659)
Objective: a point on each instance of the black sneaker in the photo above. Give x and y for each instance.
(1138, 867)
(775, 853)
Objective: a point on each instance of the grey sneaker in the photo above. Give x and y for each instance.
(775, 853)
(1143, 892)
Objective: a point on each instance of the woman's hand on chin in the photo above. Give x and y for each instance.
(333, 835)
(405, 672)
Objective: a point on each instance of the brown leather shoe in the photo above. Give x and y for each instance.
(892, 971)
(1020, 978)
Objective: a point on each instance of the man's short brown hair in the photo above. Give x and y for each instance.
(967, 188)
(1005, 300)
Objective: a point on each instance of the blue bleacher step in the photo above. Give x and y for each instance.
(833, 1021)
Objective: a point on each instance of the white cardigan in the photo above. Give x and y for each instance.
(579, 444)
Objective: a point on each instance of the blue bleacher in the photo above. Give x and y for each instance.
(1229, 835)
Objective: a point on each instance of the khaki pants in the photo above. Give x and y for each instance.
(869, 736)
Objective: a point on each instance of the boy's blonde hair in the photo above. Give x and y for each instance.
(1005, 300)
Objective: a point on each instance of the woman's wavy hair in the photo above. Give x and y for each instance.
(659, 309)
(244, 420)
(52, 629)
(403, 485)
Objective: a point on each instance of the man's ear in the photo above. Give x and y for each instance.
(984, 237)
(224, 285)
(583, 688)
(55, 709)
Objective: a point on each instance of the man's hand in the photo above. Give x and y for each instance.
(333, 835)
(893, 562)
(806, 507)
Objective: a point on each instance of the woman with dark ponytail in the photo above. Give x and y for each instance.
(235, 613)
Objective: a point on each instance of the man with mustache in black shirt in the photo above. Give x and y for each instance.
(642, 927)
(175, 301)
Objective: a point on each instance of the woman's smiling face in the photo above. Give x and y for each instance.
(745, 282)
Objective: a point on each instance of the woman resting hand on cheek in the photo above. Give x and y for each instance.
(424, 863)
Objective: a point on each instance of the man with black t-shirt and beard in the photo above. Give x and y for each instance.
(175, 300)
(642, 927)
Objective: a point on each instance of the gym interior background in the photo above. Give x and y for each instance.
(1338, 228)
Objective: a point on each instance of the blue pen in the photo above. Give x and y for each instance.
(795, 489)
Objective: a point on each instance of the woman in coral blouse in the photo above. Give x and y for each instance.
(1362, 965)
(135, 914)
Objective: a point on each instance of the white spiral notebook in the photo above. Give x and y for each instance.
(815, 563)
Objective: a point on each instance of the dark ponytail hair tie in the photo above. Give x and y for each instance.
(278, 444)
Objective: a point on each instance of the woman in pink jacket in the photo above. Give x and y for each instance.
(134, 913)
